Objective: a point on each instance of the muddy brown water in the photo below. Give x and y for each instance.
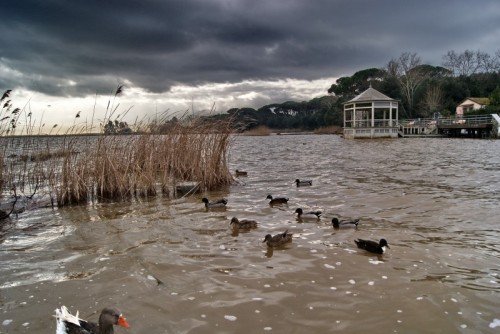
(173, 267)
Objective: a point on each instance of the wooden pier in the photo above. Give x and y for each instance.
(482, 126)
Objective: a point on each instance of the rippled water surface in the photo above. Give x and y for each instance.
(171, 266)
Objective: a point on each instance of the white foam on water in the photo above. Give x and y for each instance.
(495, 323)
(230, 317)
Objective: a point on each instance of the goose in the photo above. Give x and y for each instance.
(278, 239)
(302, 183)
(344, 223)
(277, 201)
(220, 203)
(71, 324)
(307, 215)
(373, 246)
(244, 223)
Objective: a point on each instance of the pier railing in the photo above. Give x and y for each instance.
(465, 121)
(470, 120)
(479, 126)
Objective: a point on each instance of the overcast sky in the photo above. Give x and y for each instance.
(64, 56)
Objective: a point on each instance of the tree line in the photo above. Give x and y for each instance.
(421, 89)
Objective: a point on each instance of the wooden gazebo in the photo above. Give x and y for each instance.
(371, 114)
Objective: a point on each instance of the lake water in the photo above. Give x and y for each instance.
(171, 266)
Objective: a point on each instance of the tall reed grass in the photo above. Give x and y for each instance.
(258, 131)
(327, 130)
(76, 167)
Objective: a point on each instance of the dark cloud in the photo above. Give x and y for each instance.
(75, 48)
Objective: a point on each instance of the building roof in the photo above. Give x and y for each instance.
(371, 94)
(478, 100)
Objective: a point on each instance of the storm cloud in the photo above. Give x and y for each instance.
(77, 48)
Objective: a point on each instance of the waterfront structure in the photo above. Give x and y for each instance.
(371, 114)
(474, 126)
(471, 104)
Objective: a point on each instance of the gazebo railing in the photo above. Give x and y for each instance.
(378, 123)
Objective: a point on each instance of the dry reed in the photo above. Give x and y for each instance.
(258, 131)
(120, 167)
(84, 168)
(329, 130)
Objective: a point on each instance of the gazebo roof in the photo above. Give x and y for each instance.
(371, 94)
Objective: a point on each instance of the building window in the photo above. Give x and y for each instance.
(468, 107)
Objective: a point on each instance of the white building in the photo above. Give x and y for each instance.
(471, 104)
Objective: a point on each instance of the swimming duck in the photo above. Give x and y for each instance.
(244, 223)
(277, 201)
(307, 215)
(71, 324)
(372, 246)
(302, 183)
(278, 239)
(344, 223)
(220, 203)
(241, 173)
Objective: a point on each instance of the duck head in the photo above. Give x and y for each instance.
(383, 243)
(112, 316)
